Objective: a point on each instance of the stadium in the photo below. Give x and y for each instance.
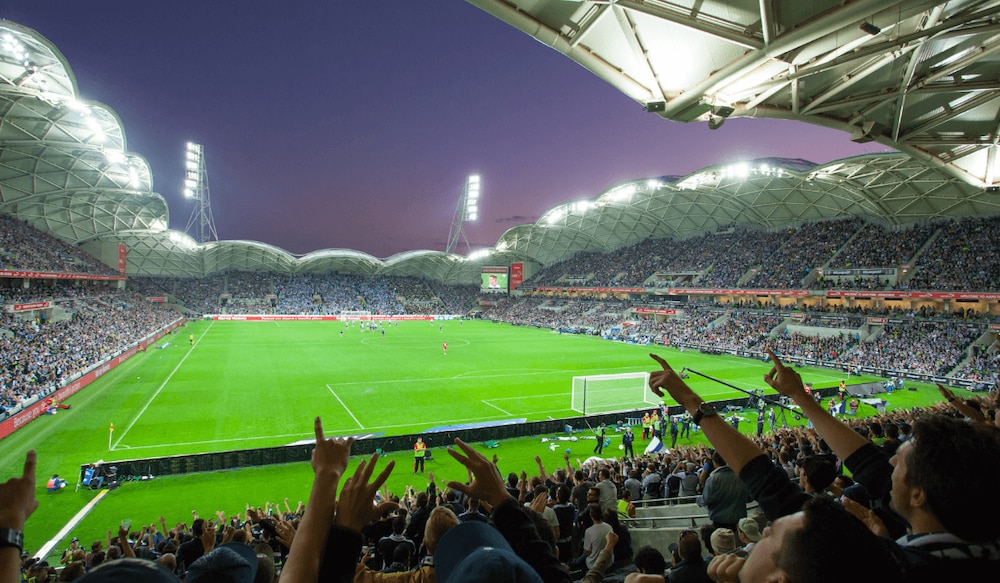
(155, 371)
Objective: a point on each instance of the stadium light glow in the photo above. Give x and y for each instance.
(115, 156)
(202, 223)
(620, 193)
(466, 211)
(478, 254)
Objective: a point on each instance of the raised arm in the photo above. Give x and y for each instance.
(17, 502)
(329, 461)
(768, 484)
(541, 469)
(730, 443)
(842, 439)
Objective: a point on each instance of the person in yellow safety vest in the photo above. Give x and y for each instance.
(645, 426)
(419, 449)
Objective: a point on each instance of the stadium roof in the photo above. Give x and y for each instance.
(920, 76)
(65, 168)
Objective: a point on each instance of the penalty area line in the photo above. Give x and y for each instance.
(342, 404)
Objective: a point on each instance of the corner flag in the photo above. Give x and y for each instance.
(111, 432)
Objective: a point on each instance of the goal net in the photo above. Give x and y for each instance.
(609, 393)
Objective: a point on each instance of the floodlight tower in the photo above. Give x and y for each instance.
(467, 210)
(196, 188)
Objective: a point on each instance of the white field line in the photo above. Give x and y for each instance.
(47, 547)
(344, 405)
(310, 434)
(165, 381)
(498, 408)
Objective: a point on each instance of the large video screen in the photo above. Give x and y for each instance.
(494, 279)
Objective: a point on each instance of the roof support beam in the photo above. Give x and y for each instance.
(683, 17)
(589, 25)
(850, 80)
(640, 52)
(795, 39)
(766, 21)
(880, 99)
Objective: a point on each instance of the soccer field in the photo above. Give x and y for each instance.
(256, 384)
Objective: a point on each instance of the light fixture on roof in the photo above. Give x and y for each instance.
(718, 116)
(870, 28)
(867, 132)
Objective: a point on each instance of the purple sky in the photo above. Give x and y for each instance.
(353, 124)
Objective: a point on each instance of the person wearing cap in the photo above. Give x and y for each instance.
(511, 520)
(74, 544)
(749, 532)
(723, 541)
(131, 570)
(231, 562)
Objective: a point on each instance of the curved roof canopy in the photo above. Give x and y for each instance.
(920, 76)
(64, 164)
(770, 193)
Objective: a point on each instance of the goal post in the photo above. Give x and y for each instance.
(610, 393)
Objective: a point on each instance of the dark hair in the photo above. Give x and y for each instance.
(595, 512)
(705, 532)
(562, 494)
(944, 448)
(197, 526)
(819, 470)
(402, 553)
(689, 547)
(650, 560)
(814, 553)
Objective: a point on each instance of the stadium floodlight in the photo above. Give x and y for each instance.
(196, 187)
(466, 211)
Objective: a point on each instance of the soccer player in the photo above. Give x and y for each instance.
(419, 449)
(444, 347)
(191, 339)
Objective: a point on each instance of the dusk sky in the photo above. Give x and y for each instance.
(353, 124)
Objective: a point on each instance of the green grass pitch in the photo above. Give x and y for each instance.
(256, 384)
